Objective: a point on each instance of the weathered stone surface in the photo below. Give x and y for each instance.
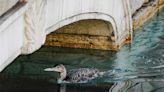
(81, 41)
(5, 5)
(116, 12)
(161, 3)
(91, 34)
(146, 12)
(136, 4)
(87, 27)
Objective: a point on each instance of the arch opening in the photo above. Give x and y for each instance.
(88, 33)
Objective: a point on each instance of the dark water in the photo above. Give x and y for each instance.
(138, 67)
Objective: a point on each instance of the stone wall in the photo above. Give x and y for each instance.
(136, 4)
(5, 5)
(145, 12)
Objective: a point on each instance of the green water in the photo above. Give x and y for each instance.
(137, 67)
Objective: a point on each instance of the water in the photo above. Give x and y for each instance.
(137, 67)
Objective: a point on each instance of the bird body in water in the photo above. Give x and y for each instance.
(74, 75)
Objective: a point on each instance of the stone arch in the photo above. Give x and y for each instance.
(85, 16)
(89, 16)
(49, 18)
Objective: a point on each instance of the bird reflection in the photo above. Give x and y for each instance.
(62, 88)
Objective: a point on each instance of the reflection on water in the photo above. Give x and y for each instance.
(138, 67)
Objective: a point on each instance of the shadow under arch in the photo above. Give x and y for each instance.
(85, 16)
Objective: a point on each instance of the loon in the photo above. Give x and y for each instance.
(74, 75)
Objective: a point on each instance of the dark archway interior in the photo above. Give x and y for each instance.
(91, 33)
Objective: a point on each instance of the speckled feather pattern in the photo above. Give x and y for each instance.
(82, 74)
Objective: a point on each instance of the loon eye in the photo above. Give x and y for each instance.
(57, 67)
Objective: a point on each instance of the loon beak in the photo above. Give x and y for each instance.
(49, 69)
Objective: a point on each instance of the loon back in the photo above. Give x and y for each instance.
(82, 74)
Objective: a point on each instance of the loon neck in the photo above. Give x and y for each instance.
(63, 74)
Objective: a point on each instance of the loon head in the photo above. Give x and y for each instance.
(59, 68)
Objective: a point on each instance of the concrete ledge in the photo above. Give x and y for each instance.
(81, 41)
